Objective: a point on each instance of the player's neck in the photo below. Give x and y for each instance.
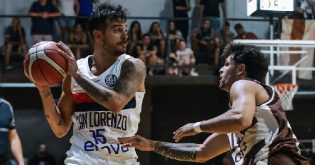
(102, 61)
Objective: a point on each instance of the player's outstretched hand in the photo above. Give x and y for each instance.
(138, 142)
(72, 62)
(186, 130)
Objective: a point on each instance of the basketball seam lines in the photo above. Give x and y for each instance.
(42, 51)
(55, 62)
(40, 69)
(40, 59)
(52, 67)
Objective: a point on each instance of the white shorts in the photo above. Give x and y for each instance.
(76, 156)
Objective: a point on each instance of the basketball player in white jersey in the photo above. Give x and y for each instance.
(255, 128)
(101, 95)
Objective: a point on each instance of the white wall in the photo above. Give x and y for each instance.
(140, 8)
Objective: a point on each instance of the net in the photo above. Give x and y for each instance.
(286, 93)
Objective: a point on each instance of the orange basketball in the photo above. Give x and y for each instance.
(44, 65)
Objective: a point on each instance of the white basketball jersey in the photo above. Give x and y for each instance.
(96, 128)
(269, 133)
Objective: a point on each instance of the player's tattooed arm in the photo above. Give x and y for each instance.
(177, 151)
(94, 89)
(131, 76)
(56, 108)
(47, 93)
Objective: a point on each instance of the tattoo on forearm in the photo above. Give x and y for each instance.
(47, 116)
(107, 96)
(46, 94)
(129, 78)
(98, 95)
(178, 151)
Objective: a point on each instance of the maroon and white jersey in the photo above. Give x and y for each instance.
(269, 134)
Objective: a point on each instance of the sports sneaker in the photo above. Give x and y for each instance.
(193, 73)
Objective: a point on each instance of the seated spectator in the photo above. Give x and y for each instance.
(43, 14)
(68, 8)
(205, 42)
(147, 53)
(225, 35)
(242, 34)
(14, 38)
(42, 157)
(173, 62)
(134, 38)
(185, 57)
(157, 38)
(174, 36)
(78, 40)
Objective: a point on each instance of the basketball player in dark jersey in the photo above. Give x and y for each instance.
(255, 128)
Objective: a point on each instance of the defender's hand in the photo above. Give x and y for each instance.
(186, 130)
(138, 142)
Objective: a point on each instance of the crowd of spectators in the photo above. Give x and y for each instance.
(154, 47)
(206, 41)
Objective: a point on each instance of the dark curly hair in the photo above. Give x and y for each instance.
(255, 61)
(104, 11)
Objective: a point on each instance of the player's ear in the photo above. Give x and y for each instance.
(97, 35)
(241, 69)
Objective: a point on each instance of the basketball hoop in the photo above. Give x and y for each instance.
(286, 93)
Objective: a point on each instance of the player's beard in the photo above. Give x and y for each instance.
(113, 48)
